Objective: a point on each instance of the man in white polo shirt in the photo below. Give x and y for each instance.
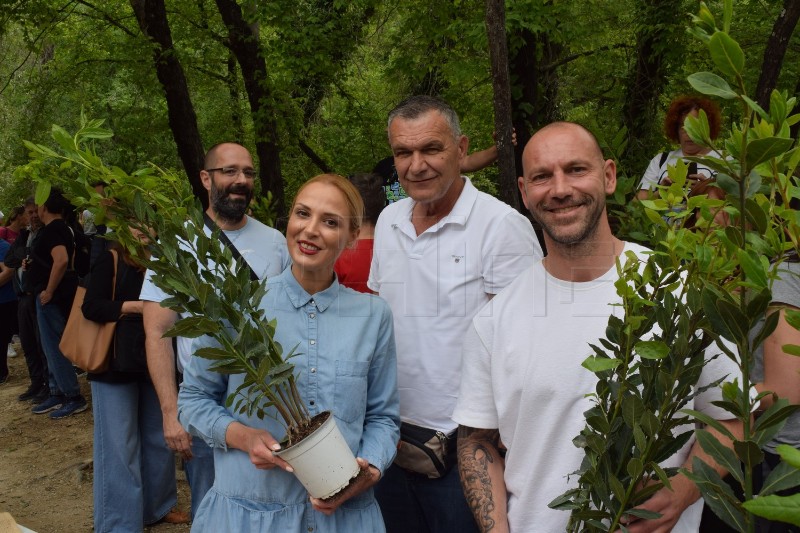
(439, 256)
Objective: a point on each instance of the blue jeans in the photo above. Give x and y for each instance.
(413, 503)
(199, 471)
(62, 376)
(134, 470)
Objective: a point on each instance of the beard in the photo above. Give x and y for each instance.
(582, 233)
(230, 209)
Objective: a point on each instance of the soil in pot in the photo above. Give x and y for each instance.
(305, 430)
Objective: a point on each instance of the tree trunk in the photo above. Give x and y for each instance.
(538, 87)
(152, 18)
(243, 42)
(498, 52)
(659, 21)
(795, 130)
(776, 50)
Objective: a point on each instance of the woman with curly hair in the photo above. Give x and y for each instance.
(679, 109)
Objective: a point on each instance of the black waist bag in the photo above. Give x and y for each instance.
(425, 451)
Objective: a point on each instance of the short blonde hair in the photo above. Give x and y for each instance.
(355, 205)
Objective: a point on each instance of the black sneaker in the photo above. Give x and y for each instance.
(41, 395)
(32, 392)
(71, 406)
(50, 404)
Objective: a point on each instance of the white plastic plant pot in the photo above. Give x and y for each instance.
(322, 461)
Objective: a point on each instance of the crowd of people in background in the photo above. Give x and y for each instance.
(472, 334)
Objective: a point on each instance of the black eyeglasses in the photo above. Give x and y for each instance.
(232, 172)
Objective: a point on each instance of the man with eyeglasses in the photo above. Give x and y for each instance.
(228, 176)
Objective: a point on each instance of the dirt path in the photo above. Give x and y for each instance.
(46, 465)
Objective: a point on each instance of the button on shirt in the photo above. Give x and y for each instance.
(435, 282)
(345, 362)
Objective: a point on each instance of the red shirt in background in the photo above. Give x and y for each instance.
(9, 235)
(352, 267)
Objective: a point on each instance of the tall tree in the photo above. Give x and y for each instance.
(775, 51)
(243, 42)
(534, 76)
(659, 33)
(498, 52)
(152, 18)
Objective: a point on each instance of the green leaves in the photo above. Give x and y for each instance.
(220, 304)
(651, 349)
(723, 455)
(760, 150)
(779, 508)
(717, 494)
(600, 364)
(726, 54)
(711, 84)
(42, 192)
(789, 454)
(650, 354)
(784, 476)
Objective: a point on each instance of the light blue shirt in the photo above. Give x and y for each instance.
(346, 363)
(264, 250)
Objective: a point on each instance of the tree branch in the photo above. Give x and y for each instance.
(578, 55)
(313, 156)
(108, 18)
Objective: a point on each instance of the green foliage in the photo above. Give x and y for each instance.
(199, 272)
(263, 210)
(703, 283)
(646, 368)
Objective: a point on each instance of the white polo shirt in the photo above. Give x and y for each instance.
(436, 282)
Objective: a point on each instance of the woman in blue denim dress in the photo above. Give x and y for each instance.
(346, 363)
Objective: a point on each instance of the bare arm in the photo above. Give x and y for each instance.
(481, 469)
(161, 365)
(781, 370)
(132, 307)
(60, 261)
(483, 158)
(479, 160)
(671, 503)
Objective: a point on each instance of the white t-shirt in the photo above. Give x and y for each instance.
(522, 374)
(435, 283)
(263, 248)
(656, 172)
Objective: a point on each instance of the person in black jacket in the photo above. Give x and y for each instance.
(134, 470)
(35, 359)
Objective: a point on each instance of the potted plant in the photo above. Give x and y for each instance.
(699, 286)
(215, 297)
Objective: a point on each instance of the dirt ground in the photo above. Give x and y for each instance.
(46, 465)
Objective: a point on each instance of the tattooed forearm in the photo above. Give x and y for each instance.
(477, 457)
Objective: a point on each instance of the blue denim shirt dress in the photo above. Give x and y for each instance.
(346, 363)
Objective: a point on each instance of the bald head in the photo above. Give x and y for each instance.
(212, 156)
(567, 130)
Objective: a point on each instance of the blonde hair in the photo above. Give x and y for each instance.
(355, 205)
